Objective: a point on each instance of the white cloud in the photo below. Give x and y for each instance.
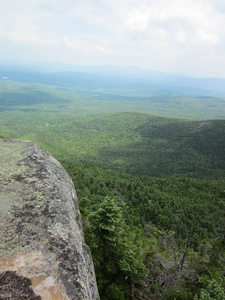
(33, 38)
(176, 21)
(149, 33)
(76, 44)
(103, 49)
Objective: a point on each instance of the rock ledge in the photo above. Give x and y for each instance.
(42, 247)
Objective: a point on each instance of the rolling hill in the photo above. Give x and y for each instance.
(129, 142)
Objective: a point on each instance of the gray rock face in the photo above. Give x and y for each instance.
(42, 249)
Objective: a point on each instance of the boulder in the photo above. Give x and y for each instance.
(42, 250)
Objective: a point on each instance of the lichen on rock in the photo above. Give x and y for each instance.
(40, 237)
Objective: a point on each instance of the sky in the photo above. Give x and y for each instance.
(179, 36)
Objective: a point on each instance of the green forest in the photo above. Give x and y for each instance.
(168, 233)
(149, 172)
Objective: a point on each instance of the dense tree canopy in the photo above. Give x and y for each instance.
(175, 226)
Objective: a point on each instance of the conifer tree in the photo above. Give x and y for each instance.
(116, 258)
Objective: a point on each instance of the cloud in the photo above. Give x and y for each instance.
(103, 50)
(176, 31)
(149, 33)
(33, 38)
(76, 44)
(180, 21)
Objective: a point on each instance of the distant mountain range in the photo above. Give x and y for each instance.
(92, 77)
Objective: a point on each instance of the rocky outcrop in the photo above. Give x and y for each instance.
(42, 249)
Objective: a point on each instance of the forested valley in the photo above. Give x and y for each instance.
(149, 172)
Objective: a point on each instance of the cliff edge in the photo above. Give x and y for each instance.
(42, 249)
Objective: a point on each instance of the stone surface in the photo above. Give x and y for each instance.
(41, 239)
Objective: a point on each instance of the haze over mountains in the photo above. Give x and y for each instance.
(132, 77)
(98, 113)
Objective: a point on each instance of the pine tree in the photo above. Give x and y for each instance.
(116, 257)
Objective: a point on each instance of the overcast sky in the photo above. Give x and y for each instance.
(182, 36)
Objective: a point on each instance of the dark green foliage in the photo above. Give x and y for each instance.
(213, 291)
(115, 256)
(178, 224)
(189, 207)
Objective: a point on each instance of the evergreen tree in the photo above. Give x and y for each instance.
(116, 258)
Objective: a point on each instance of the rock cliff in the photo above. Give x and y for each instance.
(42, 249)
